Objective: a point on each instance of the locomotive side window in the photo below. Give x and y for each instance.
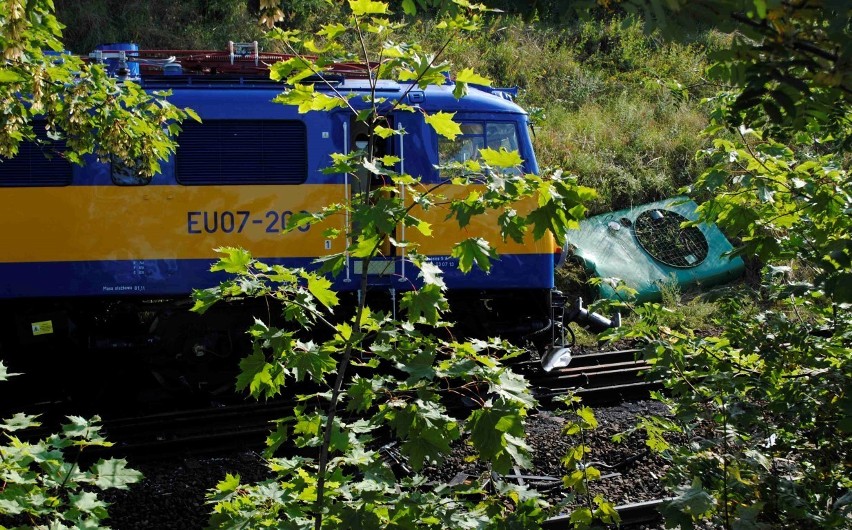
(220, 152)
(124, 174)
(476, 136)
(37, 164)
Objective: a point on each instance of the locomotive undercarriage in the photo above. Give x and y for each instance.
(523, 317)
(101, 354)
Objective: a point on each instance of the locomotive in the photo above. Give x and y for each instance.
(98, 263)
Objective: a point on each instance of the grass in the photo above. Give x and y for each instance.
(620, 108)
(617, 107)
(687, 309)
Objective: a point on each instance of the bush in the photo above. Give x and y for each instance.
(44, 483)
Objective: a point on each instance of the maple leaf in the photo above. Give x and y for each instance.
(319, 286)
(114, 473)
(474, 250)
(444, 125)
(489, 428)
(234, 261)
(361, 8)
(309, 359)
(501, 159)
(426, 303)
(432, 274)
(19, 422)
(467, 75)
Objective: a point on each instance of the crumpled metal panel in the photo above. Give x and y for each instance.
(608, 246)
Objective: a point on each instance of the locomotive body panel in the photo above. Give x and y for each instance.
(106, 235)
(159, 239)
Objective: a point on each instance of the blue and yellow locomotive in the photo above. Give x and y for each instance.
(95, 255)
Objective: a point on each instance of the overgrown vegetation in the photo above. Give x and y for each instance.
(620, 110)
(763, 405)
(46, 483)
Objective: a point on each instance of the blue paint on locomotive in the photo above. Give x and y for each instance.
(176, 277)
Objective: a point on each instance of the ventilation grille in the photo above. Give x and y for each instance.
(242, 152)
(659, 233)
(37, 164)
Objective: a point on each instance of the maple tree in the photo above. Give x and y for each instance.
(346, 483)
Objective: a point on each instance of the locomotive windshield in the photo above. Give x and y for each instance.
(476, 136)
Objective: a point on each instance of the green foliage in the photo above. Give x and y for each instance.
(444, 125)
(340, 480)
(44, 90)
(411, 407)
(765, 409)
(497, 432)
(762, 406)
(784, 202)
(473, 251)
(593, 510)
(43, 484)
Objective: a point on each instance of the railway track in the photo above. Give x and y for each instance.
(208, 430)
(630, 514)
(599, 378)
(637, 513)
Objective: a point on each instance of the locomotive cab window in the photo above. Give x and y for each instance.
(476, 136)
(220, 152)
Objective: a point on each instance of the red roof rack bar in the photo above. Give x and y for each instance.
(213, 62)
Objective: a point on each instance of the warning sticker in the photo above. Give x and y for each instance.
(42, 328)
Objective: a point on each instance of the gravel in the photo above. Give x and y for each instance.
(630, 473)
(172, 495)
